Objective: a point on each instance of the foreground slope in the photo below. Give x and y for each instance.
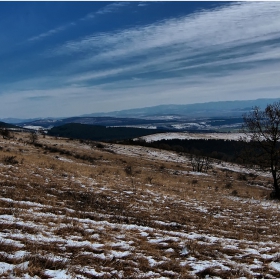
(71, 209)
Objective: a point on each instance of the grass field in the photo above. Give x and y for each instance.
(70, 209)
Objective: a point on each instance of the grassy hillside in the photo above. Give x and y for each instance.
(85, 210)
(227, 150)
(99, 133)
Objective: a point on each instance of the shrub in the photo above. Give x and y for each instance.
(162, 167)
(194, 181)
(33, 137)
(10, 160)
(6, 134)
(100, 146)
(228, 185)
(38, 145)
(149, 179)
(128, 170)
(234, 192)
(242, 177)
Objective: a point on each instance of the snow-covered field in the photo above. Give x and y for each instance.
(131, 212)
(188, 136)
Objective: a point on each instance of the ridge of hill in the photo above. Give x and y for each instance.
(202, 110)
(104, 121)
(154, 114)
(166, 123)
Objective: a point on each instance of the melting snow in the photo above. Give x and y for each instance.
(275, 265)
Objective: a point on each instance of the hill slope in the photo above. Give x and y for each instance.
(73, 210)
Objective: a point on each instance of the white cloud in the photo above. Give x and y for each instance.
(200, 40)
(228, 53)
(135, 93)
(234, 25)
(51, 32)
(110, 8)
(143, 4)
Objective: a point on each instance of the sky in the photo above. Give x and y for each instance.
(62, 59)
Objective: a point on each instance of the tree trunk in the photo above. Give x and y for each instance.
(276, 193)
(277, 190)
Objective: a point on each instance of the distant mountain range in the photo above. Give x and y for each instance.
(105, 121)
(199, 116)
(204, 110)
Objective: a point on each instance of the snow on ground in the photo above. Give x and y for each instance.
(153, 154)
(188, 136)
(76, 226)
(168, 156)
(182, 244)
(34, 127)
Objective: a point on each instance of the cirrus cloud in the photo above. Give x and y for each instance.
(226, 53)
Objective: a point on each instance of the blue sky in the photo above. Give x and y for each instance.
(62, 59)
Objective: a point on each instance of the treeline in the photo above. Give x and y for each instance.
(4, 125)
(98, 132)
(226, 150)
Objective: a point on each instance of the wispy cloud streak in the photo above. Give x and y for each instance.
(228, 53)
(182, 43)
(110, 8)
(51, 32)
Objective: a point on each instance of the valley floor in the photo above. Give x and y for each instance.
(70, 209)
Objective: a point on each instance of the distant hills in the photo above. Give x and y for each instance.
(204, 110)
(105, 121)
(222, 116)
(197, 110)
(7, 125)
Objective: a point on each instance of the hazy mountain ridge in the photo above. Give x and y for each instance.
(198, 109)
(199, 116)
(105, 121)
(209, 109)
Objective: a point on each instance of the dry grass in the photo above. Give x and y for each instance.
(109, 211)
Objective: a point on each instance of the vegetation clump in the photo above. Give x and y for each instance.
(10, 160)
(262, 128)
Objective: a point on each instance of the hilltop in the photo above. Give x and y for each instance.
(85, 209)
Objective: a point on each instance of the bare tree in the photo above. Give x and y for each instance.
(33, 137)
(200, 163)
(262, 129)
(5, 133)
